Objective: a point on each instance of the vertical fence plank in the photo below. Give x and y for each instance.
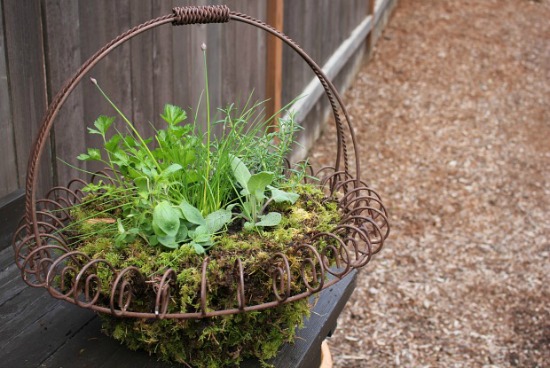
(141, 70)
(370, 37)
(293, 78)
(163, 76)
(25, 60)
(8, 165)
(243, 73)
(62, 48)
(100, 22)
(188, 60)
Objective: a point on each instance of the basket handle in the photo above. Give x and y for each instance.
(179, 16)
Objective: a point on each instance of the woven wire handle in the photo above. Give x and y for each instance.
(179, 16)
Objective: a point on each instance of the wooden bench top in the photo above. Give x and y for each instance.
(37, 330)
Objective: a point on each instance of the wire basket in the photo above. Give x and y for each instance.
(45, 259)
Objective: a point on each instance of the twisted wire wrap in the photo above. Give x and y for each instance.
(200, 14)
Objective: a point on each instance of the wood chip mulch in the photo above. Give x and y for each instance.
(453, 118)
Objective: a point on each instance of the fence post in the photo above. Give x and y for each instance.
(370, 37)
(274, 62)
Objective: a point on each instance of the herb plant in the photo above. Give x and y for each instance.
(255, 201)
(181, 185)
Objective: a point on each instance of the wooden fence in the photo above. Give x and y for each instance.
(43, 42)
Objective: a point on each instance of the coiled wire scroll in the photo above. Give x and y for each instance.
(45, 260)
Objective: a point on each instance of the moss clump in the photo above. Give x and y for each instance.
(218, 341)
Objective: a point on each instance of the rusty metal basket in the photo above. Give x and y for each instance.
(42, 253)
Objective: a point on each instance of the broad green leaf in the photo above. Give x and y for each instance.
(168, 241)
(130, 142)
(231, 206)
(201, 235)
(120, 241)
(182, 233)
(199, 249)
(121, 158)
(112, 144)
(271, 219)
(258, 182)
(134, 174)
(240, 171)
(216, 220)
(171, 169)
(247, 208)
(120, 227)
(103, 123)
(192, 214)
(94, 154)
(153, 240)
(173, 114)
(133, 231)
(142, 185)
(157, 230)
(167, 218)
(83, 157)
(279, 196)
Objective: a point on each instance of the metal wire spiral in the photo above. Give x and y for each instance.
(73, 276)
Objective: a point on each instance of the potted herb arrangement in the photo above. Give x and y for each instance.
(201, 248)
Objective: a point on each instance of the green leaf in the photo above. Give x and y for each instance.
(258, 182)
(93, 131)
(216, 220)
(153, 240)
(112, 144)
(173, 114)
(171, 169)
(279, 196)
(120, 227)
(130, 142)
(168, 241)
(121, 158)
(93, 154)
(199, 249)
(120, 241)
(240, 171)
(142, 185)
(167, 218)
(192, 214)
(103, 123)
(271, 219)
(201, 235)
(191, 177)
(181, 236)
(83, 157)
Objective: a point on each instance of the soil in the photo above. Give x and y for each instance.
(453, 118)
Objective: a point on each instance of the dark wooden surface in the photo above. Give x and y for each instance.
(11, 210)
(37, 330)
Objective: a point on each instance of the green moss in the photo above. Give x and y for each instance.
(219, 341)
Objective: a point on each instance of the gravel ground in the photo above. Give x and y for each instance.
(453, 118)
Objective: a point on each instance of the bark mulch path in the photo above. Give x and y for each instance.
(453, 116)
